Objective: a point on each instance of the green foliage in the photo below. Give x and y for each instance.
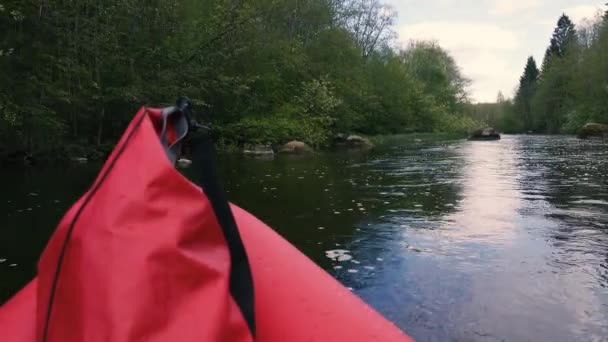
(73, 72)
(458, 124)
(498, 115)
(277, 129)
(438, 73)
(317, 100)
(307, 117)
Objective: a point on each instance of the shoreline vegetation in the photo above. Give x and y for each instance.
(265, 72)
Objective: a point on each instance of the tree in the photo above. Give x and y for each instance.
(502, 104)
(438, 73)
(500, 98)
(370, 22)
(563, 37)
(525, 93)
(554, 98)
(591, 89)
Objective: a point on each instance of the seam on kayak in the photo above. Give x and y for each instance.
(90, 195)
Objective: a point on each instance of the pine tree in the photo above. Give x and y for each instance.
(525, 92)
(500, 98)
(553, 101)
(563, 37)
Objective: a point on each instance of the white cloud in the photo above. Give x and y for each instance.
(459, 35)
(507, 7)
(578, 13)
(478, 49)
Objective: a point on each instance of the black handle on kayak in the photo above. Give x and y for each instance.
(184, 104)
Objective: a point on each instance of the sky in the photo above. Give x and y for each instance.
(490, 39)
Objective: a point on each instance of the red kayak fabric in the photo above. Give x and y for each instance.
(18, 316)
(142, 256)
(298, 301)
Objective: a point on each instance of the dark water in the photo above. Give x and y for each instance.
(451, 240)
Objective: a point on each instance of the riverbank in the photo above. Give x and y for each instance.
(56, 155)
(72, 153)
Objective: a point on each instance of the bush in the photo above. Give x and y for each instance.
(573, 122)
(458, 123)
(261, 130)
(277, 129)
(307, 118)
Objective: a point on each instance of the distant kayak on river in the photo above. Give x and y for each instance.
(488, 133)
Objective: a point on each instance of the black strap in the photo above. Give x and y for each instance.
(240, 278)
(241, 281)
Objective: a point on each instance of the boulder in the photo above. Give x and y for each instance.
(352, 142)
(355, 141)
(258, 150)
(295, 147)
(592, 130)
(184, 163)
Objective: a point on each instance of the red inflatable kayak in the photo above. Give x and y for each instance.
(146, 255)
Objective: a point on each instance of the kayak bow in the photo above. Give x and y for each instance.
(146, 255)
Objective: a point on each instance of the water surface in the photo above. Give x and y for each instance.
(451, 240)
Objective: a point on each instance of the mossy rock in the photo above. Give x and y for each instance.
(593, 130)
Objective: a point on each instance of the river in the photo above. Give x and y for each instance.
(451, 240)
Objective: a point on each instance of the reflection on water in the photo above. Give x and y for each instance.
(451, 240)
(522, 256)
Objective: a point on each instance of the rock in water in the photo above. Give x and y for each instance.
(593, 130)
(296, 147)
(81, 160)
(184, 163)
(358, 141)
(352, 142)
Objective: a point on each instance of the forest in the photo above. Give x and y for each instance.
(566, 91)
(72, 73)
